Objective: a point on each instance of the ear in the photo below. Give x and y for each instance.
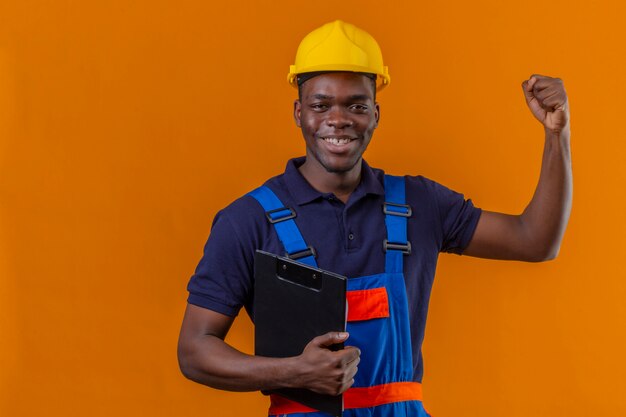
(297, 107)
(376, 113)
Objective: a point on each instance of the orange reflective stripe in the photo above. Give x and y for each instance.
(367, 304)
(281, 405)
(382, 394)
(357, 397)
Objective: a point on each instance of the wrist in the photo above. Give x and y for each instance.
(558, 143)
(560, 135)
(288, 373)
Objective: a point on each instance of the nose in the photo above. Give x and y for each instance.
(338, 118)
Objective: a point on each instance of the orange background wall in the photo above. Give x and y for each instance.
(125, 126)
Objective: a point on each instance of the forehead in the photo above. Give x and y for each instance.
(338, 84)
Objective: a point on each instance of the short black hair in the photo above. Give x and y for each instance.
(302, 78)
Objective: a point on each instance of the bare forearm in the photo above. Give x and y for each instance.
(204, 357)
(545, 218)
(536, 234)
(210, 361)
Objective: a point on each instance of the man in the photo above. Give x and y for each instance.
(383, 232)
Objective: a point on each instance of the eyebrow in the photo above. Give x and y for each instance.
(355, 97)
(362, 97)
(322, 97)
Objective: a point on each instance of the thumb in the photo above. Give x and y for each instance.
(561, 107)
(330, 338)
(527, 86)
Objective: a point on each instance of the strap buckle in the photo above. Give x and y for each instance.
(309, 251)
(394, 209)
(289, 214)
(405, 248)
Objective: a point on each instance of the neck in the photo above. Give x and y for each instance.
(341, 184)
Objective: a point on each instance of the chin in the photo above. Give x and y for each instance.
(340, 168)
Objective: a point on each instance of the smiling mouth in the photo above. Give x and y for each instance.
(337, 141)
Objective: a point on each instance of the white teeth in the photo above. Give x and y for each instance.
(337, 141)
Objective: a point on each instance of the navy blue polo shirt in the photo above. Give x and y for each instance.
(348, 239)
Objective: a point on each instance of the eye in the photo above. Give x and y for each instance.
(359, 108)
(319, 106)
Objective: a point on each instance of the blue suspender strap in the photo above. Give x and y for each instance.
(286, 229)
(396, 214)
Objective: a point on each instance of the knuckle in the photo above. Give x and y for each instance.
(334, 364)
(350, 374)
(325, 362)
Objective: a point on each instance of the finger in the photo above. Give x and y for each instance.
(529, 84)
(345, 362)
(350, 354)
(550, 101)
(343, 388)
(330, 339)
(554, 102)
(345, 385)
(349, 358)
(539, 77)
(551, 91)
(350, 375)
(546, 92)
(547, 83)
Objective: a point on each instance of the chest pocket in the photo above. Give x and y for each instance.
(367, 304)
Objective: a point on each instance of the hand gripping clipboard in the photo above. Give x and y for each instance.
(293, 303)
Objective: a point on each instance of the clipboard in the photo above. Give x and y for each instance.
(293, 303)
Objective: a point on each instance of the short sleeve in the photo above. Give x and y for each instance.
(459, 218)
(223, 280)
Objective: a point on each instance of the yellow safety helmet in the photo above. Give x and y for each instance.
(339, 46)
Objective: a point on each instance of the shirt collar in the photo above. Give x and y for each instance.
(303, 193)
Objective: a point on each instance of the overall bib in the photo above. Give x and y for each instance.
(378, 320)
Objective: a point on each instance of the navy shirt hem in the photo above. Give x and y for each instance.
(205, 302)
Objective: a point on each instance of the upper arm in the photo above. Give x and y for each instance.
(503, 236)
(198, 323)
(223, 280)
(450, 216)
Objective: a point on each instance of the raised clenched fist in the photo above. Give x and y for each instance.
(547, 100)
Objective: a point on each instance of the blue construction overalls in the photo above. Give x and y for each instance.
(378, 320)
